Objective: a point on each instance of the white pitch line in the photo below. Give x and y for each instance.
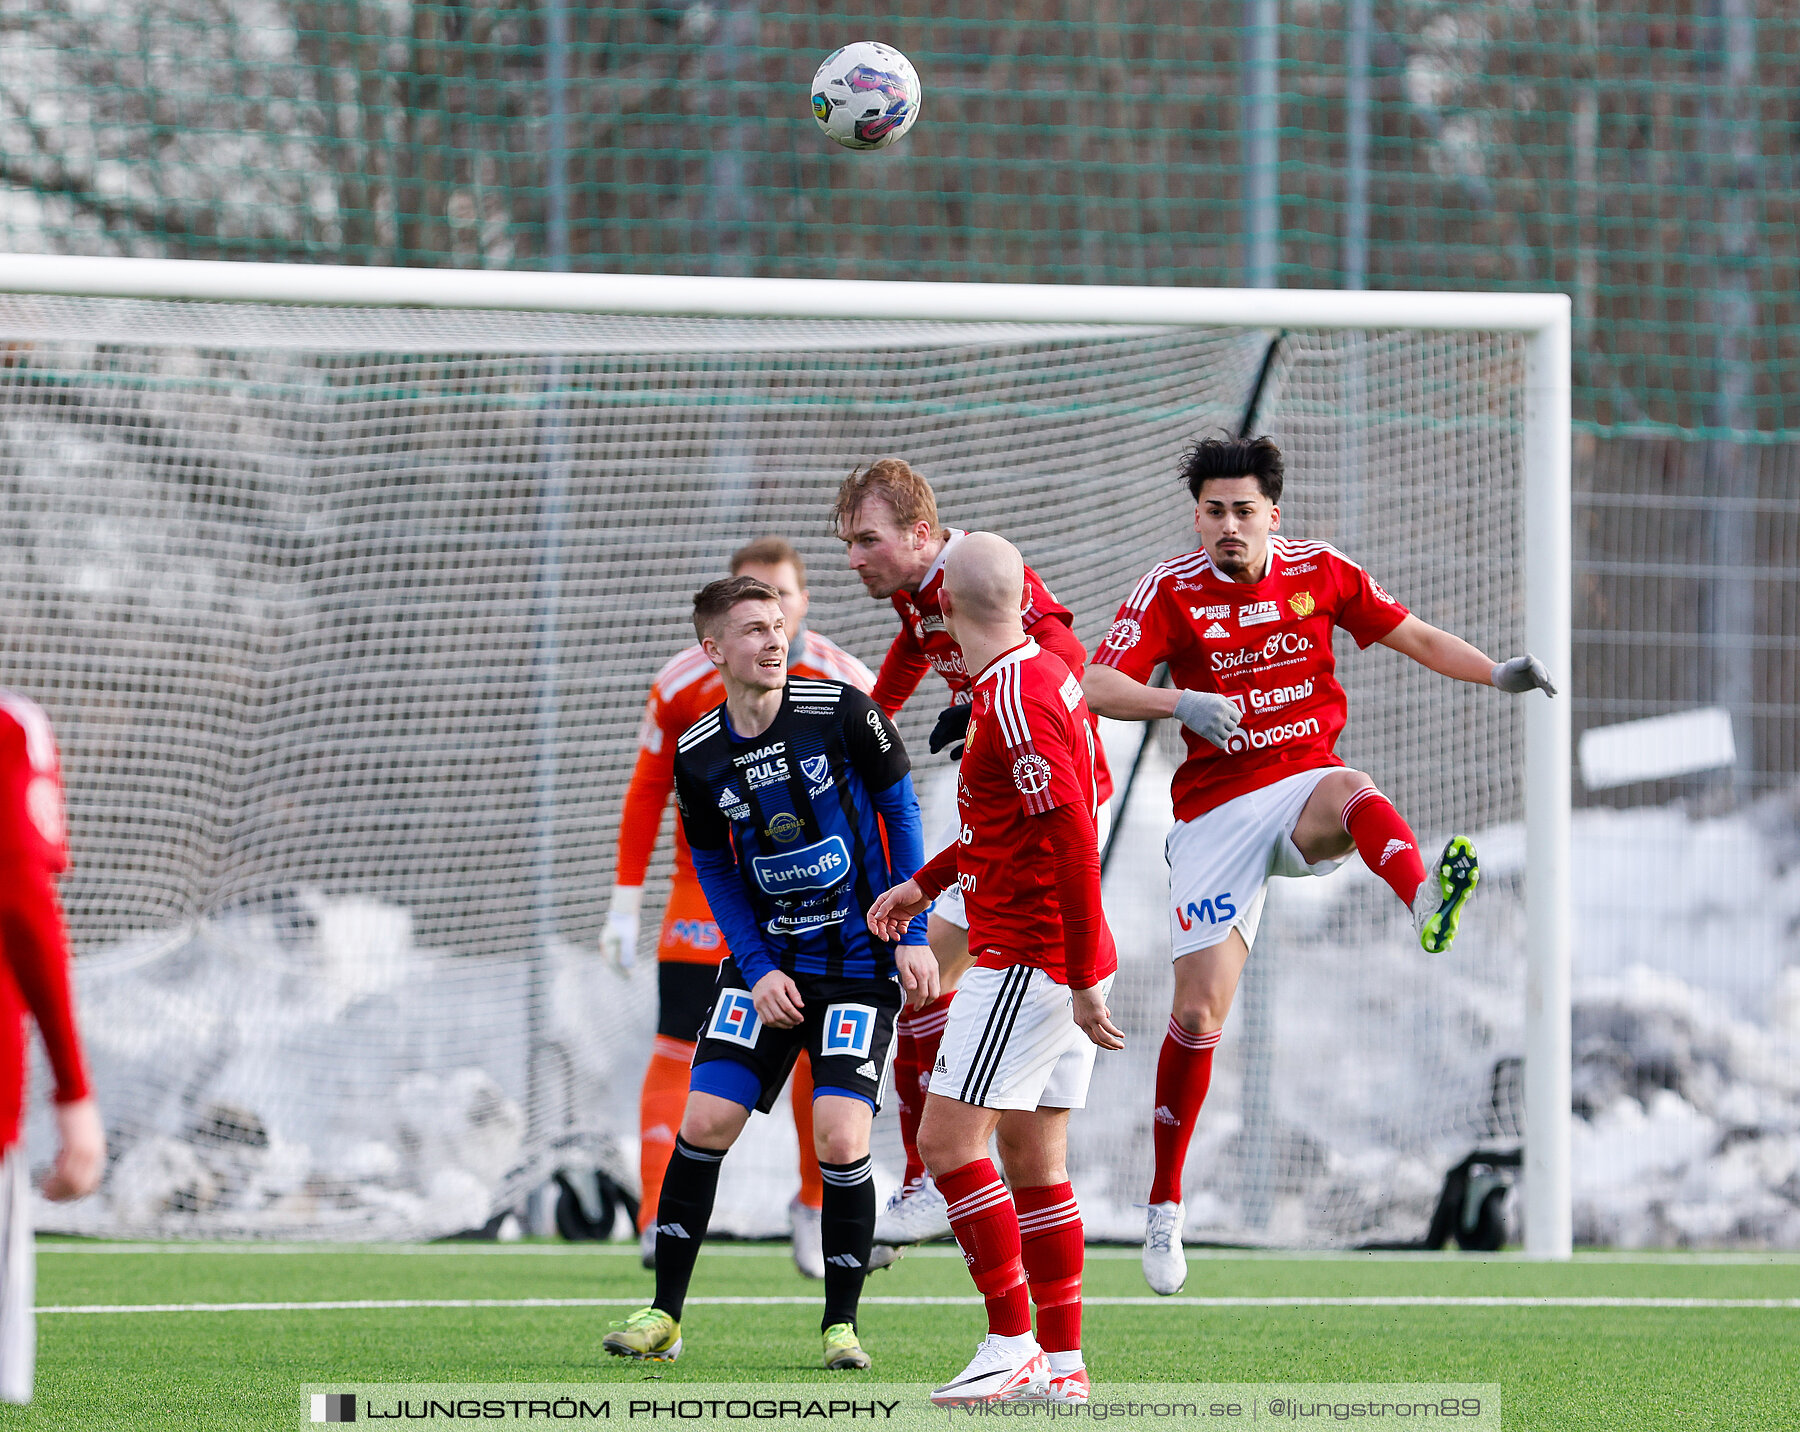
(383, 1304)
(1651, 1258)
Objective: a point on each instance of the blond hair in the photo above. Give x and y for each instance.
(908, 496)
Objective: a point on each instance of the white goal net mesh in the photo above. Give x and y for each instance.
(345, 619)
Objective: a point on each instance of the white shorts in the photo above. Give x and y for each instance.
(1012, 1043)
(18, 1279)
(945, 825)
(1220, 863)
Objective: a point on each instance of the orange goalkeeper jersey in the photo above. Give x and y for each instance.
(684, 691)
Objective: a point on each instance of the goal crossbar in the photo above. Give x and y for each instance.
(709, 297)
(1542, 318)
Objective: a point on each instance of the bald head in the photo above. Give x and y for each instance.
(985, 577)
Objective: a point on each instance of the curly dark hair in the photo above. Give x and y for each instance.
(1233, 457)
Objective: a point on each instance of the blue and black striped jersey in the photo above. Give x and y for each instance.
(800, 812)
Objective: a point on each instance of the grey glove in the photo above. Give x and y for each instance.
(1522, 674)
(1207, 715)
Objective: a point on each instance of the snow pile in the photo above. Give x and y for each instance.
(1686, 1081)
(303, 1070)
(1688, 1127)
(1355, 1070)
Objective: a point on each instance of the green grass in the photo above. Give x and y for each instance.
(1601, 1368)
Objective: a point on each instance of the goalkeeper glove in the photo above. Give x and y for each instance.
(1207, 715)
(951, 730)
(1522, 674)
(618, 941)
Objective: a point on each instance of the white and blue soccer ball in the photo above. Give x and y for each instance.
(866, 95)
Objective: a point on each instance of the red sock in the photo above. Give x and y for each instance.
(927, 1030)
(987, 1226)
(1183, 1075)
(906, 1096)
(1385, 842)
(1051, 1246)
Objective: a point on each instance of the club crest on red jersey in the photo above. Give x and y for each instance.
(1124, 635)
(1302, 603)
(1031, 774)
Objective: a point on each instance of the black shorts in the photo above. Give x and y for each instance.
(684, 993)
(847, 1027)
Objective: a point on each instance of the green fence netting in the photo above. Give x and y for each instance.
(1643, 159)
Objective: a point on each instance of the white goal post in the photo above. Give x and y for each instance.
(1542, 320)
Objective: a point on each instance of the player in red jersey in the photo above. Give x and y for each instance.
(887, 517)
(690, 948)
(1245, 626)
(1018, 1051)
(33, 852)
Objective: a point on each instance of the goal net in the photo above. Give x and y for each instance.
(345, 618)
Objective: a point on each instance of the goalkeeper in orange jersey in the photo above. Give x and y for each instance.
(689, 947)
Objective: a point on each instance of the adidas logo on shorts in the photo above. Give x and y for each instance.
(940, 1067)
(867, 1070)
(1394, 847)
(1166, 1115)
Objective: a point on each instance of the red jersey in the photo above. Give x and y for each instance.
(685, 690)
(923, 644)
(34, 974)
(31, 793)
(1031, 748)
(1266, 646)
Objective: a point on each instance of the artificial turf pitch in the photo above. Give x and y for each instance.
(1633, 1365)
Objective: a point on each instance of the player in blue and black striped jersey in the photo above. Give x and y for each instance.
(797, 800)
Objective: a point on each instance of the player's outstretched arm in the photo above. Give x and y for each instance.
(1522, 674)
(894, 909)
(902, 669)
(1111, 692)
(1449, 655)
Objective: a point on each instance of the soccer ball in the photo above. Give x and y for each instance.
(866, 95)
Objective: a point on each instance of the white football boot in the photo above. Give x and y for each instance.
(1003, 1370)
(884, 1255)
(918, 1215)
(1165, 1260)
(647, 1246)
(1070, 1387)
(809, 1247)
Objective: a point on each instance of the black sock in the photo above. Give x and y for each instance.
(682, 1214)
(846, 1230)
